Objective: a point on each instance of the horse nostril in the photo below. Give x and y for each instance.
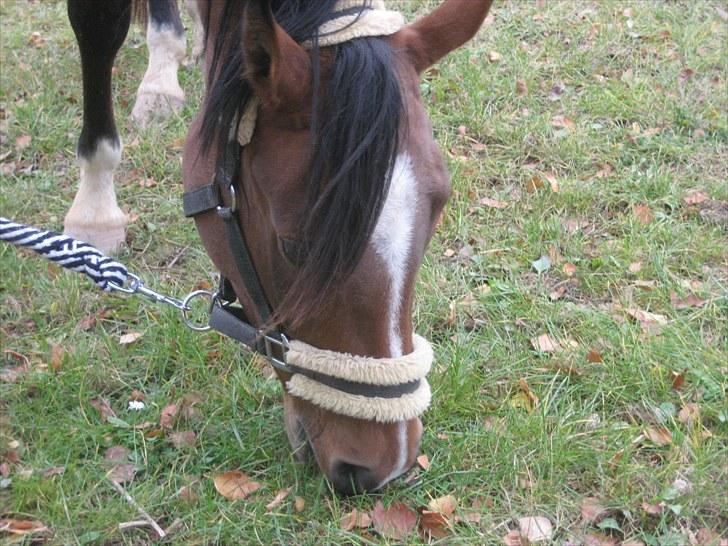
(350, 479)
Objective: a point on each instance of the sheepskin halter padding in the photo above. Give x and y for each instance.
(361, 369)
(374, 20)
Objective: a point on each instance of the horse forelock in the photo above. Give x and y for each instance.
(355, 126)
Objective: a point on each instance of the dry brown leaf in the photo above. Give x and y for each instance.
(685, 75)
(604, 171)
(423, 461)
(521, 87)
(514, 538)
(57, 354)
(678, 379)
(595, 358)
(187, 405)
(653, 509)
(553, 182)
(129, 337)
(592, 510)
(569, 269)
(166, 418)
(689, 413)
(635, 267)
(651, 323)
(684, 303)
(563, 122)
(278, 499)
(355, 519)
(183, 439)
(147, 183)
(136, 395)
(558, 293)
(545, 344)
(445, 505)
(23, 141)
(643, 214)
(434, 524)
(659, 435)
(235, 485)
(299, 504)
(536, 528)
(122, 473)
(116, 454)
(53, 471)
(103, 407)
(21, 526)
(395, 522)
(534, 184)
(695, 197)
(599, 539)
(524, 398)
(493, 203)
(494, 56)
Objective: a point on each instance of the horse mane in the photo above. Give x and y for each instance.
(354, 134)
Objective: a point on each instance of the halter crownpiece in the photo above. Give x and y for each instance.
(349, 20)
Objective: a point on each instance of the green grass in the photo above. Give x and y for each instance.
(620, 74)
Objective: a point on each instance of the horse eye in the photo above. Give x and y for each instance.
(294, 251)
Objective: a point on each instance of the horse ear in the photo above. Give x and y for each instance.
(452, 24)
(276, 67)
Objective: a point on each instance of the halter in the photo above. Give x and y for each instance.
(382, 390)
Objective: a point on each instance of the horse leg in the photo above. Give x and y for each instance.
(94, 216)
(199, 46)
(159, 93)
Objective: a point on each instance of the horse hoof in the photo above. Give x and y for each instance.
(108, 237)
(151, 106)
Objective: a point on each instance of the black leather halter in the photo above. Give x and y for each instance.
(230, 319)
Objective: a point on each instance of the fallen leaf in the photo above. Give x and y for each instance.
(556, 91)
(278, 499)
(188, 493)
(599, 539)
(136, 395)
(635, 267)
(689, 413)
(122, 473)
(643, 214)
(116, 454)
(594, 357)
(536, 528)
(166, 418)
(178, 143)
(534, 184)
(513, 538)
(444, 505)
(235, 485)
(21, 526)
(524, 398)
(187, 405)
(355, 519)
(685, 75)
(128, 338)
(147, 183)
(685, 303)
(183, 439)
(395, 522)
(651, 323)
(53, 471)
(558, 293)
(521, 88)
(553, 182)
(544, 344)
(423, 461)
(23, 142)
(299, 504)
(659, 435)
(449, 253)
(494, 56)
(57, 354)
(653, 509)
(695, 197)
(434, 524)
(592, 510)
(569, 269)
(604, 171)
(493, 203)
(103, 407)
(563, 122)
(678, 379)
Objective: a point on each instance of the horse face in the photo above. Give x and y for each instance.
(367, 312)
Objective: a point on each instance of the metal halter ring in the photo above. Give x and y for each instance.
(186, 309)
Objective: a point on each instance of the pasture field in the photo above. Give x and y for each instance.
(575, 294)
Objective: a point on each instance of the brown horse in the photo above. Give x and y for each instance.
(343, 161)
(334, 189)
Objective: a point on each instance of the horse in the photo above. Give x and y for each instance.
(312, 163)
(100, 29)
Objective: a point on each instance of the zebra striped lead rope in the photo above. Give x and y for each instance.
(66, 252)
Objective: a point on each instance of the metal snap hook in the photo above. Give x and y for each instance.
(186, 309)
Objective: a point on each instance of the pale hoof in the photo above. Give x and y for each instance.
(151, 106)
(108, 237)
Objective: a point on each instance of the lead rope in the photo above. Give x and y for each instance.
(66, 252)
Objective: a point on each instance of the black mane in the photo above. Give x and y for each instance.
(355, 131)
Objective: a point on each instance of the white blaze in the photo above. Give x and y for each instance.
(392, 240)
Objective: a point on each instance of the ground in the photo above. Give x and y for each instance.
(575, 294)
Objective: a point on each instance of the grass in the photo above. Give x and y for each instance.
(642, 129)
